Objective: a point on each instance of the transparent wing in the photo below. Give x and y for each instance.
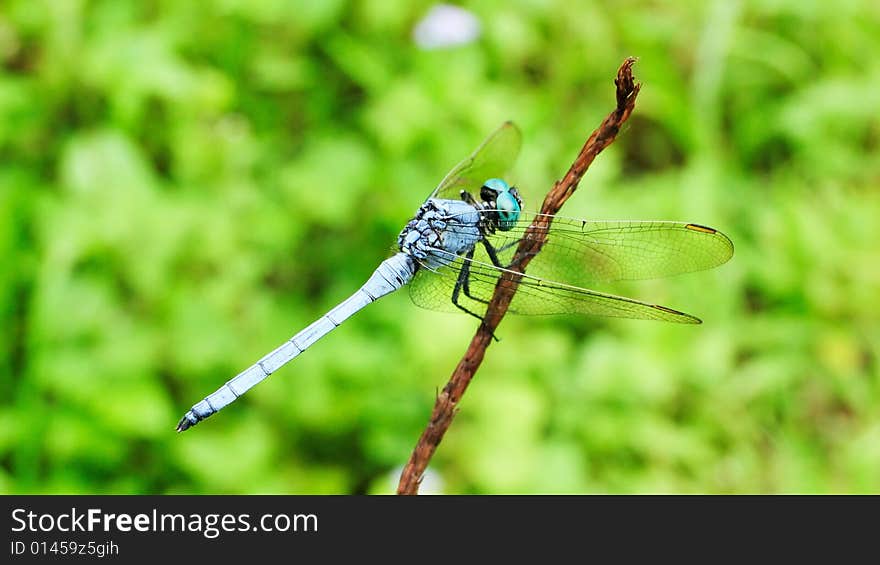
(492, 159)
(581, 252)
(534, 295)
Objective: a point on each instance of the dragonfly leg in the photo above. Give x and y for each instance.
(462, 284)
(465, 284)
(493, 256)
(493, 253)
(507, 246)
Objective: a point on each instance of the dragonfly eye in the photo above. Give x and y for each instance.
(508, 210)
(499, 196)
(492, 188)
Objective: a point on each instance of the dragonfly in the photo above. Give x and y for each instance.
(464, 237)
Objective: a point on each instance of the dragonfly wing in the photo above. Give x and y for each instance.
(581, 252)
(433, 290)
(492, 159)
(534, 295)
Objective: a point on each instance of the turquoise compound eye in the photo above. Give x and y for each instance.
(497, 185)
(508, 211)
(505, 202)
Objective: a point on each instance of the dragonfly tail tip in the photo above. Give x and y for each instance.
(183, 425)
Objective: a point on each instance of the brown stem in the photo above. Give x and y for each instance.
(445, 407)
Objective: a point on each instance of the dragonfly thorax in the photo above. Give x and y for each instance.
(440, 231)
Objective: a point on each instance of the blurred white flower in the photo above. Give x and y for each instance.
(446, 26)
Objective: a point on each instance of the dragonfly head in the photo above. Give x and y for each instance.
(504, 200)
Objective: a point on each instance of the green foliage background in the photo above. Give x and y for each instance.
(184, 185)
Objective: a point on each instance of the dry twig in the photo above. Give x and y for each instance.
(447, 401)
